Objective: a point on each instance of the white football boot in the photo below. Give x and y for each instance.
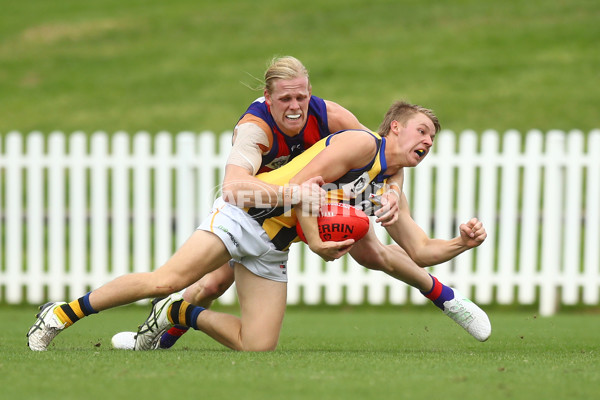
(45, 328)
(149, 333)
(123, 341)
(468, 315)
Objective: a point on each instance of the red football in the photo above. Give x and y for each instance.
(338, 222)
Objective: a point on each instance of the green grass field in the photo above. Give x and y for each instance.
(185, 64)
(324, 353)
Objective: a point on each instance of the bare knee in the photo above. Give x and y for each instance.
(265, 344)
(380, 257)
(212, 289)
(203, 292)
(206, 290)
(261, 345)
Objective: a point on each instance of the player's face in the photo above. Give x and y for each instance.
(416, 138)
(289, 104)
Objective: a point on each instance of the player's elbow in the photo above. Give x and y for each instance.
(421, 262)
(418, 256)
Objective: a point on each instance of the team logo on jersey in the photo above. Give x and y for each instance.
(278, 162)
(297, 148)
(352, 189)
(370, 199)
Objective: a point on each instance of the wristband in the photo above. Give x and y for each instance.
(288, 195)
(391, 189)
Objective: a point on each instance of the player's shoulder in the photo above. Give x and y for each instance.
(255, 125)
(333, 107)
(355, 146)
(340, 117)
(356, 137)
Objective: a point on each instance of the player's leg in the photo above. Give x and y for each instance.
(394, 261)
(262, 307)
(391, 259)
(260, 283)
(202, 253)
(262, 302)
(201, 293)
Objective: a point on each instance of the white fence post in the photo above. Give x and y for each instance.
(78, 210)
(99, 209)
(34, 196)
(486, 211)
(77, 213)
(573, 216)
(184, 187)
(163, 205)
(141, 202)
(508, 216)
(57, 244)
(14, 217)
(591, 286)
(120, 204)
(552, 216)
(530, 218)
(465, 206)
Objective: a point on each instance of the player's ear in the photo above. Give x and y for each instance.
(267, 97)
(395, 126)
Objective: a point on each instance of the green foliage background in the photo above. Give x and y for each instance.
(186, 64)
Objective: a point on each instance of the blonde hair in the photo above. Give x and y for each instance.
(286, 67)
(402, 111)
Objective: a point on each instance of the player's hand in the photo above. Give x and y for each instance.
(472, 233)
(330, 251)
(388, 213)
(312, 196)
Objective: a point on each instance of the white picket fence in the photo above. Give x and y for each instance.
(78, 210)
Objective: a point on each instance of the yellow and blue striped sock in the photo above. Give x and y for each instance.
(75, 310)
(183, 313)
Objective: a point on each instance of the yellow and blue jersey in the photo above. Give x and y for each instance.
(358, 187)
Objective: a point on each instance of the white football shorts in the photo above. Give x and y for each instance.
(246, 241)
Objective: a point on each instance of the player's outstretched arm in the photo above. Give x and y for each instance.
(426, 251)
